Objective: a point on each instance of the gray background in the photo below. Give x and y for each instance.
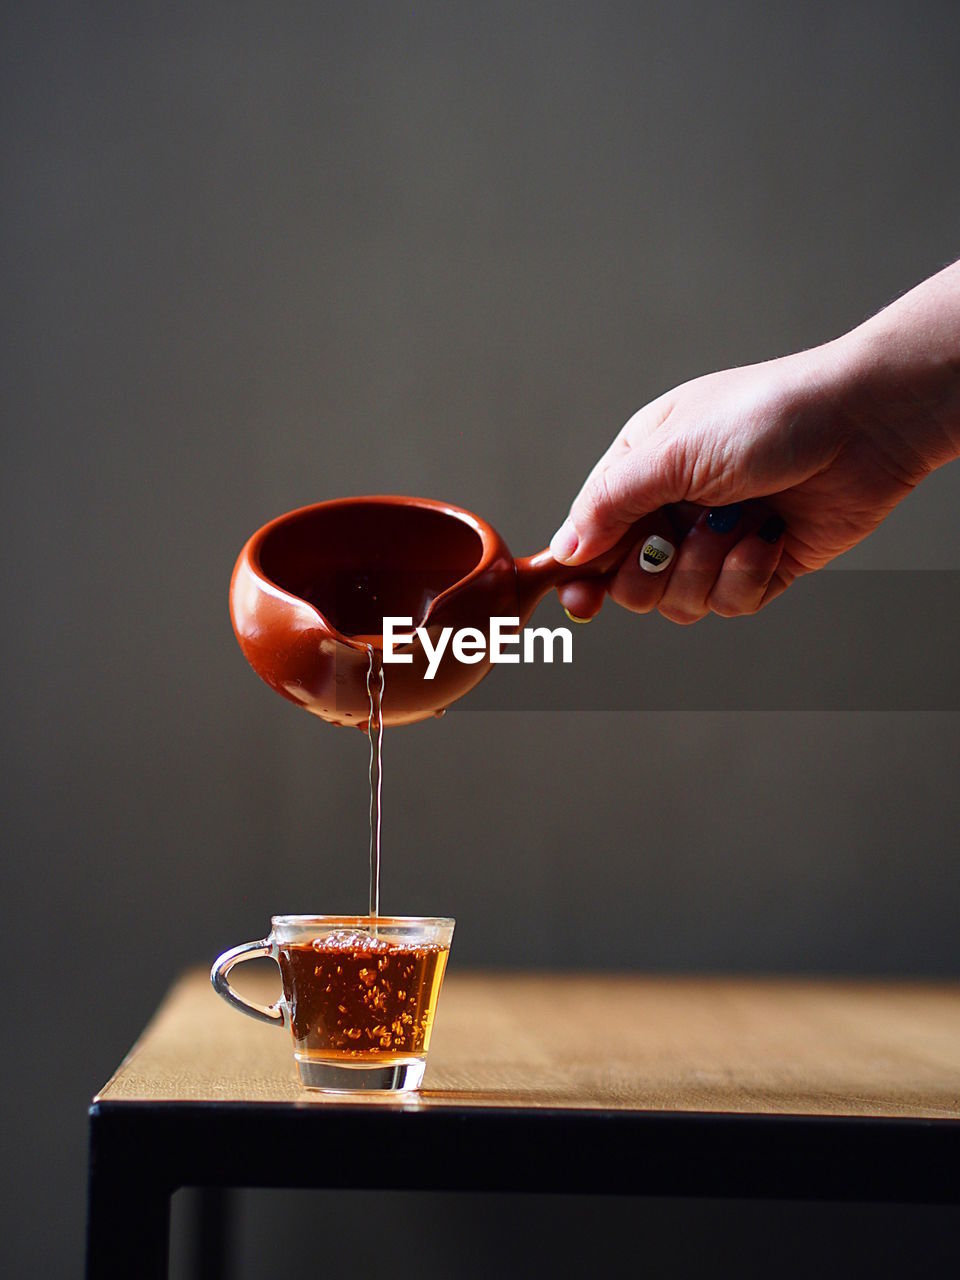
(255, 256)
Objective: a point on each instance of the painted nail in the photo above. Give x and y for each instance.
(771, 529)
(655, 554)
(564, 542)
(573, 617)
(723, 519)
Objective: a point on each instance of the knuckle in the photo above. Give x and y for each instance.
(728, 608)
(740, 558)
(682, 615)
(635, 590)
(635, 600)
(747, 562)
(744, 579)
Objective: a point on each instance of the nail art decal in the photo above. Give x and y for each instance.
(655, 554)
(723, 519)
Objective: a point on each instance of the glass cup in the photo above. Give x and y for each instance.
(359, 994)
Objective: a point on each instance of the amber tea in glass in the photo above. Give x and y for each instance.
(359, 993)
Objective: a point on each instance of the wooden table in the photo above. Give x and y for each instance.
(621, 1084)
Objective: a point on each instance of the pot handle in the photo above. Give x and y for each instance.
(540, 573)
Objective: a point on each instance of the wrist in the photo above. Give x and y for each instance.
(899, 377)
(899, 398)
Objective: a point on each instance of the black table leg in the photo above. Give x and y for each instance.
(128, 1228)
(128, 1213)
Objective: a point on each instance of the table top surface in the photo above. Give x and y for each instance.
(614, 1043)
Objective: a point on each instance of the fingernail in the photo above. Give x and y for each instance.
(723, 519)
(655, 554)
(573, 617)
(564, 542)
(771, 529)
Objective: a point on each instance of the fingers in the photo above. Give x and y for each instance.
(629, 481)
(745, 583)
(686, 597)
(688, 562)
(583, 600)
(657, 539)
(726, 563)
(641, 580)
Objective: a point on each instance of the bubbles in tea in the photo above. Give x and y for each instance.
(357, 998)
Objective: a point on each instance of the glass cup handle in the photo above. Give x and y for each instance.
(220, 977)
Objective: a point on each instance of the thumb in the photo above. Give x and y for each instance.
(618, 492)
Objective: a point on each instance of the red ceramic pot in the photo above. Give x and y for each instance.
(310, 590)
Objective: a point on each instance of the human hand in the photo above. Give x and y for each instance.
(744, 479)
